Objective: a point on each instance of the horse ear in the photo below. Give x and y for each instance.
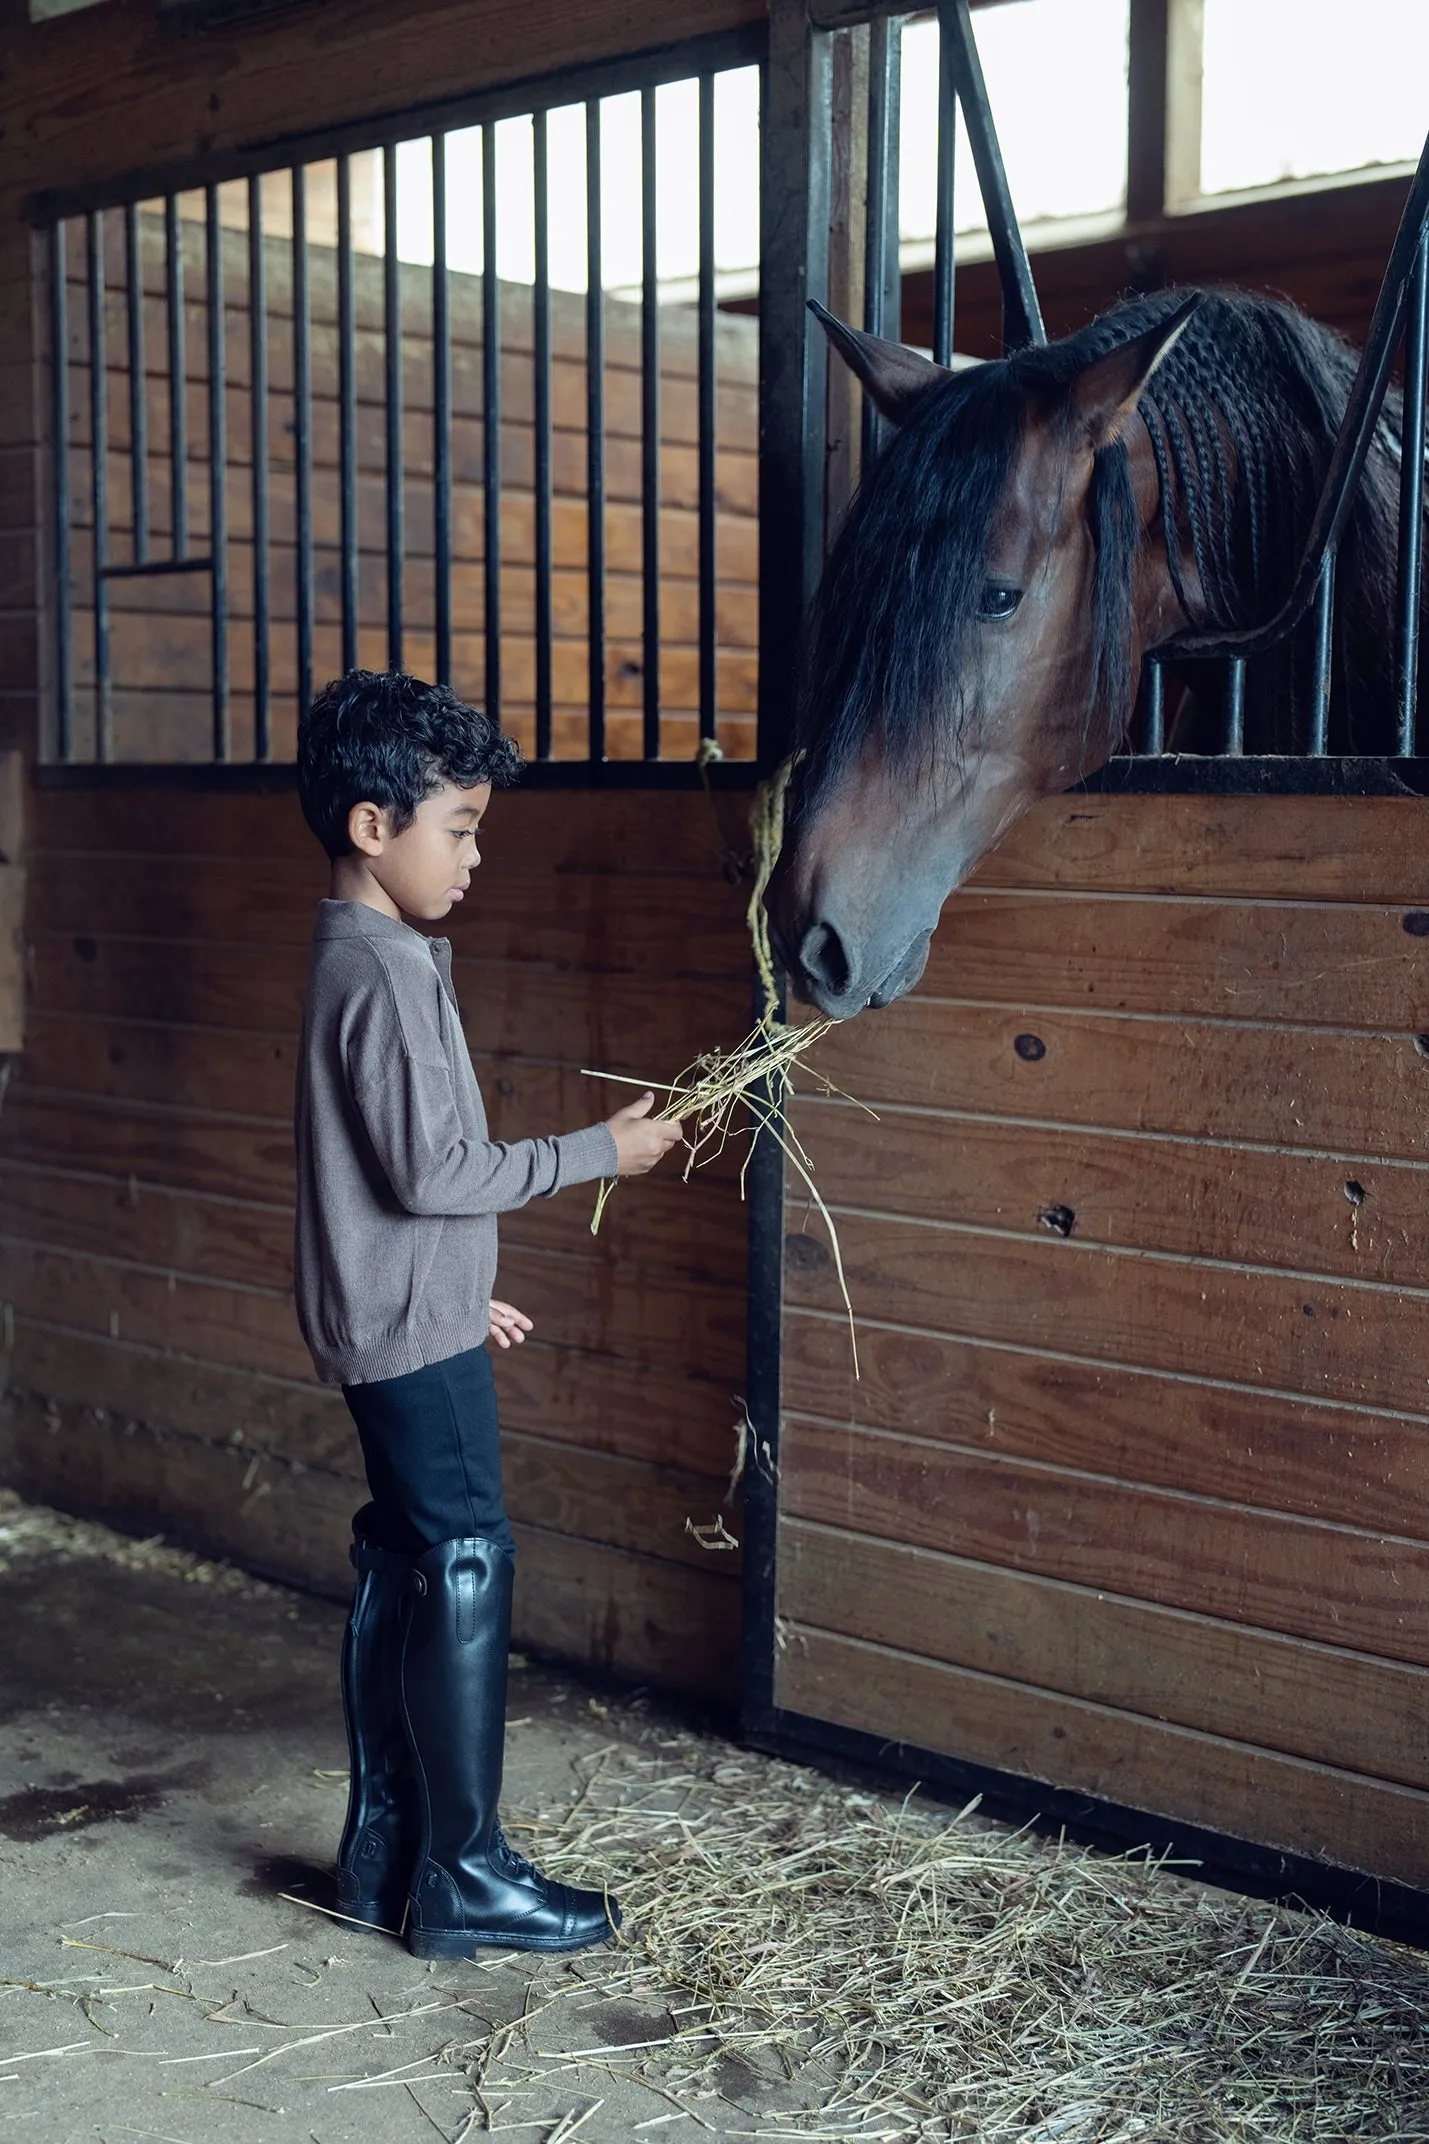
(1105, 393)
(895, 377)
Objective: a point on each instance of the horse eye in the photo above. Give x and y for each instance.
(998, 600)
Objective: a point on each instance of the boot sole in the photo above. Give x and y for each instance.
(460, 1943)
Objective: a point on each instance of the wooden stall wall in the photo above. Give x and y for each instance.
(160, 636)
(1133, 1495)
(157, 1375)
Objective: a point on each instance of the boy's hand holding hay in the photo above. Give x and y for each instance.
(640, 1139)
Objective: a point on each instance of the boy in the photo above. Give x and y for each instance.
(399, 1187)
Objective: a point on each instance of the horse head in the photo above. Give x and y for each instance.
(976, 642)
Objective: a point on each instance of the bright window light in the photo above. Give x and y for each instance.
(1293, 89)
(1056, 81)
(677, 237)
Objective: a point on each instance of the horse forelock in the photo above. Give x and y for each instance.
(890, 631)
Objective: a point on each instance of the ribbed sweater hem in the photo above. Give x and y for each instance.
(398, 1354)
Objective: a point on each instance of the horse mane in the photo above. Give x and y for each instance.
(1242, 415)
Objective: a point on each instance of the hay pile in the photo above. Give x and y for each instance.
(33, 1532)
(894, 1974)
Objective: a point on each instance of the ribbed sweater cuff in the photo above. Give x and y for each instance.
(587, 1154)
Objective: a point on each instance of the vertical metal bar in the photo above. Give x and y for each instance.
(347, 415)
(649, 427)
(541, 361)
(595, 430)
(945, 246)
(793, 257)
(59, 443)
(217, 475)
(302, 440)
(1324, 659)
(392, 356)
(1153, 684)
(441, 413)
(178, 378)
(1410, 594)
(1235, 707)
(99, 475)
(490, 423)
(709, 586)
(258, 418)
(881, 280)
(138, 388)
(1021, 314)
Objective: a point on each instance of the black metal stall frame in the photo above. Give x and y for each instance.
(700, 60)
(794, 268)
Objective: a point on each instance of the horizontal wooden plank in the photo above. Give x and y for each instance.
(625, 1023)
(656, 927)
(1254, 1686)
(665, 1417)
(148, 1222)
(161, 727)
(1285, 1802)
(526, 832)
(1283, 1086)
(1281, 1574)
(166, 1190)
(1330, 965)
(628, 1614)
(621, 1501)
(637, 1617)
(1359, 1469)
(1357, 849)
(240, 1328)
(582, 1302)
(189, 595)
(1328, 1339)
(736, 534)
(298, 1420)
(158, 651)
(1251, 1206)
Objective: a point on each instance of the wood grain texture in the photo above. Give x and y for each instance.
(1357, 1467)
(1340, 1817)
(625, 1613)
(1354, 849)
(1249, 1206)
(1327, 965)
(86, 100)
(1254, 1686)
(1347, 1094)
(1329, 1339)
(1243, 1565)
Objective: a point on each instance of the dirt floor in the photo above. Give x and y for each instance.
(805, 1957)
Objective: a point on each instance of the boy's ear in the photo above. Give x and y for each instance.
(367, 829)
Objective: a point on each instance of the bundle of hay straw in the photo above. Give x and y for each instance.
(745, 1091)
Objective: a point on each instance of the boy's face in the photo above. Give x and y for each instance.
(426, 869)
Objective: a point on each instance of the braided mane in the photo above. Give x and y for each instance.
(1242, 416)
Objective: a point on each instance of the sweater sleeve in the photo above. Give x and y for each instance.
(404, 1096)
(434, 1167)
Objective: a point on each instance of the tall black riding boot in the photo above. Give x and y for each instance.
(381, 1835)
(470, 1890)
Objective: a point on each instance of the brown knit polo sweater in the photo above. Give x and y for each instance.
(399, 1184)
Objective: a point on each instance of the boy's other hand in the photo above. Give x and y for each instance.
(509, 1326)
(640, 1139)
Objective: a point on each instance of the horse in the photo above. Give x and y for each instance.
(1034, 526)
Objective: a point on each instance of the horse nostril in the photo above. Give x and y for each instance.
(824, 960)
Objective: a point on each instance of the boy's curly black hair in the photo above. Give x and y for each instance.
(380, 737)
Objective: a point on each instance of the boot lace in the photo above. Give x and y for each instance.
(514, 1864)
